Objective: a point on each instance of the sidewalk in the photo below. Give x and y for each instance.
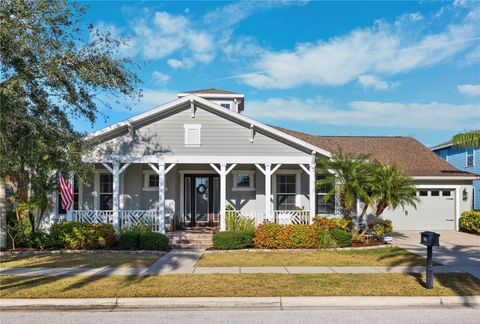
(238, 302)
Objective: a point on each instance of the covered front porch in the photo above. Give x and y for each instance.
(180, 194)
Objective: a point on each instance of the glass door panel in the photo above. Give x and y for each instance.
(201, 199)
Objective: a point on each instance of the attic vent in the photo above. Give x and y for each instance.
(192, 135)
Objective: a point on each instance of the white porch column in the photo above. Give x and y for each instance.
(116, 194)
(268, 191)
(70, 210)
(312, 195)
(161, 198)
(223, 196)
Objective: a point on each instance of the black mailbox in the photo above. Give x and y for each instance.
(430, 238)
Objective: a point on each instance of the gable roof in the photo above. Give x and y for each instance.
(198, 101)
(405, 152)
(211, 91)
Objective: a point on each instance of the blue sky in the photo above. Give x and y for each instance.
(327, 68)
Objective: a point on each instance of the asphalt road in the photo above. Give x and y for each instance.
(409, 315)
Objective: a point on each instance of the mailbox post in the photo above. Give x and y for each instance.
(430, 239)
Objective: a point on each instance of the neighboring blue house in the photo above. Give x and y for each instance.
(465, 159)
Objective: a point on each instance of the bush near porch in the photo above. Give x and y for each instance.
(470, 222)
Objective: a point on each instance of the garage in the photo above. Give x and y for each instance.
(435, 211)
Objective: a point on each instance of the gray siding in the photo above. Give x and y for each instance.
(219, 136)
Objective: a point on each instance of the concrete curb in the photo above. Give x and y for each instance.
(240, 302)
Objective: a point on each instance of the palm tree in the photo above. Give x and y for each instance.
(345, 175)
(391, 188)
(467, 139)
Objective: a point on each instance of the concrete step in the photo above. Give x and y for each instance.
(189, 246)
(199, 242)
(190, 236)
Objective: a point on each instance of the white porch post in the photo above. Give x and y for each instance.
(70, 210)
(161, 198)
(223, 196)
(116, 194)
(268, 191)
(312, 195)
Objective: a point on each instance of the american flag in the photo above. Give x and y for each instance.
(66, 192)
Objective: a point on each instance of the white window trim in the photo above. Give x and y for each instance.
(97, 192)
(146, 180)
(250, 173)
(298, 197)
(188, 127)
(466, 158)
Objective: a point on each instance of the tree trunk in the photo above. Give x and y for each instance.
(379, 210)
(3, 215)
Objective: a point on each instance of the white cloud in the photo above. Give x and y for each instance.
(154, 98)
(373, 82)
(471, 90)
(185, 63)
(384, 48)
(160, 77)
(431, 115)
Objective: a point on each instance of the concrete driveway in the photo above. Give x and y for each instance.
(457, 250)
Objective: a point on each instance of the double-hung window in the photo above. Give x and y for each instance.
(286, 191)
(470, 159)
(106, 191)
(60, 209)
(324, 207)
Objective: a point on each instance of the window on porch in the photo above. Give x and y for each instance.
(324, 207)
(106, 191)
(286, 191)
(60, 209)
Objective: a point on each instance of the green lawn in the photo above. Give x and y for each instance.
(230, 285)
(391, 256)
(79, 260)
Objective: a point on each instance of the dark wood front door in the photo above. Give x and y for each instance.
(202, 200)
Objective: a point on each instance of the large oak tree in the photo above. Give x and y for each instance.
(53, 66)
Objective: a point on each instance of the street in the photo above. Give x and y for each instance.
(435, 315)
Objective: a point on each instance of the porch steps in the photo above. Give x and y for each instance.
(190, 240)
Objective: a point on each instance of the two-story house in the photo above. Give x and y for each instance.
(466, 159)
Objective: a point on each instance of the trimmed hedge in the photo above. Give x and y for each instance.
(79, 236)
(275, 236)
(470, 222)
(342, 238)
(233, 240)
(143, 241)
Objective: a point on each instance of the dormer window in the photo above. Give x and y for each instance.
(225, 105)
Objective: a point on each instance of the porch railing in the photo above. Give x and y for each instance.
(132, 218)
(93, 216)
(284, 217)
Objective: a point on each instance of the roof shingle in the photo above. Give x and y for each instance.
(405, 152)
(211, 91)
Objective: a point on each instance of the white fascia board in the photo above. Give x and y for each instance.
(446, 178)
(196, 159)
(217, 108)
(439, 147)
(212, 95)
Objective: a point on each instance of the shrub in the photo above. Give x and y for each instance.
(152, 241)
(73, 235)
(237, 223)
(275, 236)
(470, 222)
(342, 238)
(382, 228)
(325, 239)
(342, 223)
(129, 240)
(324, 223)
(38, 240)
(233, 240)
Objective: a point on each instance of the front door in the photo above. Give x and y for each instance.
(202, 200)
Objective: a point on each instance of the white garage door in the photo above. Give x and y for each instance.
(435, 211)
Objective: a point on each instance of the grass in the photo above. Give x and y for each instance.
(391, 256)
(78, 260)
(230, 285)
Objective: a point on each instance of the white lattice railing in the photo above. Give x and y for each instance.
(132, 218)
(93, 216)
(283, 217)
(286, 217)
(257, 215)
